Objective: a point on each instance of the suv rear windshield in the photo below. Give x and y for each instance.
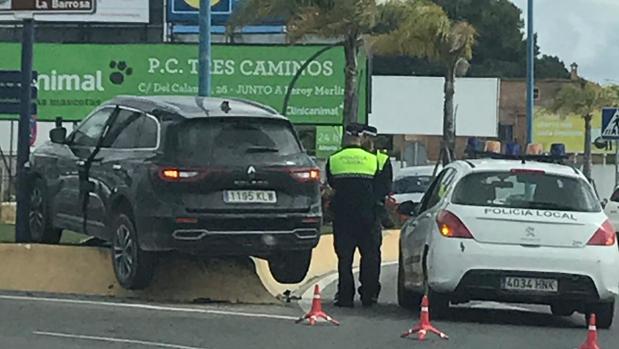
(526, 190)
(228, 141)
(412, 184)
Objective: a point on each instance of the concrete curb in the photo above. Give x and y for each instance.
(88, 271)
(324, 261)
(81, 270)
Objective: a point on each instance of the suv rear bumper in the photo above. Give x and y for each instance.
(230, 234)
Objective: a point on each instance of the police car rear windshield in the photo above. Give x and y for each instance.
(526, 190)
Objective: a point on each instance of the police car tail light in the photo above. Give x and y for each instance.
(305, 175)
(604, 236)
(450, 226)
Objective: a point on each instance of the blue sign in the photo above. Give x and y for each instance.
(188, 11)
(184, 17)
(610, 123)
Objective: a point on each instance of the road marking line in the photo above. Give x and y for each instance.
(325, 281)
(113, 340)
(148, 307)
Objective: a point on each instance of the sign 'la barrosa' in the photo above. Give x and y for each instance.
(48, 6)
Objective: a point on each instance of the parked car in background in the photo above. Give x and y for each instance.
(611, 208)
(411, 183)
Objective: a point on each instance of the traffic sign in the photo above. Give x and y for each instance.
(610, 123)
(15, 108)
(10, 91)
(48, 6)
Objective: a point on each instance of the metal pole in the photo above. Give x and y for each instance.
(616, 164)
(530, 71)
(22, 231)
(300, 72)
(11, 157)
(205, 49)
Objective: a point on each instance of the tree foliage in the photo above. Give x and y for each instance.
(355, 23)
(500, 49)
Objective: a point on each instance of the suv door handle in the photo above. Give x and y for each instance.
(117, 167)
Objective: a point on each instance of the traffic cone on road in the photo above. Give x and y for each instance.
(424, 325)
(592, 335)
(316, 312)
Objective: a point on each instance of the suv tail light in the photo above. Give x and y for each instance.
(173, 174)
(451, 226)
(305, 175)
(604, 236)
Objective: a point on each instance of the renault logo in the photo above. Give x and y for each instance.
(251, 170)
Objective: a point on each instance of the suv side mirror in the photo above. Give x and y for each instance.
(408, 209)
(58, 135)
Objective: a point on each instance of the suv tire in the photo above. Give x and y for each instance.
(604, 313)
(133, 267)
(406, 299)
(290, 267)
(39, 221)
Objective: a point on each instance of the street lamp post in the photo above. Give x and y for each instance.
(530, 71)
(204, 87)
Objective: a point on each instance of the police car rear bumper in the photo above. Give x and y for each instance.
(468, 269)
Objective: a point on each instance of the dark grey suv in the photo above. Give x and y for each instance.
(199, 175)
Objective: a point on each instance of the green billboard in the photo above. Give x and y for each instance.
(74, 78)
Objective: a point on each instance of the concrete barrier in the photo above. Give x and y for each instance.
(80, 270)
(324, 261)
(88, 271)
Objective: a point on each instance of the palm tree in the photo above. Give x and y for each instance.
(584, 98)
(446, 42)
(353, 22)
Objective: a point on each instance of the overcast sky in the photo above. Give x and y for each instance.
(581, 31)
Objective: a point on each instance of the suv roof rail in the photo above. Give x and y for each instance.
(254, 103)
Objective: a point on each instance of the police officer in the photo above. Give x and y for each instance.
(351, 172)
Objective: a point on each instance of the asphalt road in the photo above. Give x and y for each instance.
(39, 322)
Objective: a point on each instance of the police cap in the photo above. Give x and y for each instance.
(355, 130)
(370, 131)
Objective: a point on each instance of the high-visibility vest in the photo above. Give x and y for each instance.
(382, 159)
(353, 162)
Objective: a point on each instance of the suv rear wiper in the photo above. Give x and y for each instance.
(259, 149)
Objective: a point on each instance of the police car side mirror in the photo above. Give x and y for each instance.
(408, 209)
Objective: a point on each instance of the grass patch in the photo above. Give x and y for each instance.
(7, 234)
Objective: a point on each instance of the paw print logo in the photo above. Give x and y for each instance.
(120, 72)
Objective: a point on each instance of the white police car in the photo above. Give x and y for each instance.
(510, 231)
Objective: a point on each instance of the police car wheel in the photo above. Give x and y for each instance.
(133, 267)
(406, 299)
(39, 221)
(290, 267)
(439, 304)
(604, 313)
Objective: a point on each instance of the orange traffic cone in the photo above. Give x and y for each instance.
(424, 325)
(592, 335)
(316, 312)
